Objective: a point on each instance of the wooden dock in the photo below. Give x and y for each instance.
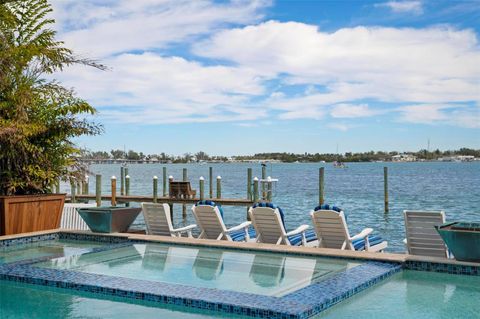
(165, 199)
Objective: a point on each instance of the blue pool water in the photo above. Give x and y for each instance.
(409, 295)
(37, 302)
(414, 295)
(44, 249)
(358, 189)
(258, 273)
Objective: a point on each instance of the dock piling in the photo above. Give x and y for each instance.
(269, 189)
(210, 181)
(98, 189)
(385, 187)
(249, 183)
(86, 186)
(114, 191)
(164, 181)
(219, 187)
(255, 189)
(127, 186)
(122, 180)
(264, 176)
(73, 190)
(184, 207)
(155, 189)
(202, 187)
(321, 186)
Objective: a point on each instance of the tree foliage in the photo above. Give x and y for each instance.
(38, 116)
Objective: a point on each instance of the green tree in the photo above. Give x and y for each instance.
(38, 116)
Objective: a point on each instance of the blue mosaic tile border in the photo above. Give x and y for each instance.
(93, 237)
(28, 239)
(442, 267)
(300, 304)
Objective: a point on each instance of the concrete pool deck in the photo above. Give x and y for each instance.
(302, 303)
(310, 251)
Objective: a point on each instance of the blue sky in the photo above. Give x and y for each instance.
(242, 77)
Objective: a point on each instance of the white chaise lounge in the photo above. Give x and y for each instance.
(70, 217)
(209, 217)
(332, 232)
(268, 221)
(158, 221)
(422, 238)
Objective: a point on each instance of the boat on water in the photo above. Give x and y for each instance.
(339, 165)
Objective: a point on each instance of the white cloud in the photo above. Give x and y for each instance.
(389, 65)
(339, 126)
(458, 115)
(351, 111)
(149, 88)
(107, 27)
(415, 7)
(246, 73)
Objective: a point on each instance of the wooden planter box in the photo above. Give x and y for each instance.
(29, 213)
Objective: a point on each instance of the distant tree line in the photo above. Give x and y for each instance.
(283, 157)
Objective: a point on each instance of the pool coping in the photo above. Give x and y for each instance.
(301, 303)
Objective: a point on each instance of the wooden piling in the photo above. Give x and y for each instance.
(170, 179)
(184, 207)
(164, 181)
(219, 187)
(155, 189)
(269, 189)
(73, 191)
(122, 180)
(255, 189)
(249, 183)
(98, 189)
(127, 186)
(385, 187)
(114, 191)
(202, 187)
(321, 188)
(86, 186)
(264, 176)
(210, 181)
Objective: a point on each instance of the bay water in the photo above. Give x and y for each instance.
(358, 190)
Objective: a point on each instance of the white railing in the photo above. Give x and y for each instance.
(71, 219)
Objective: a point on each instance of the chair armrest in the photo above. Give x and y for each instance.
(363, 234)
(184, 229)
(299, 230)
(239, 227)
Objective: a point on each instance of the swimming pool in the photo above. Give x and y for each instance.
(257, 273)
(122, 276)
(414, 295)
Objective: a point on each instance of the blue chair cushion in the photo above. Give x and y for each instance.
(239, 235)
(210, 203)
(295, 240)
(359, 244)
(330, 207)
(272, 205)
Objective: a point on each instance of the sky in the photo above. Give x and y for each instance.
(244, 77)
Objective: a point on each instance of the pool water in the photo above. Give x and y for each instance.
(258, 273)
(48, 248)
(38, 302)
(412, 295)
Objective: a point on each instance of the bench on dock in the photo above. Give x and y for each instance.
(181, 190)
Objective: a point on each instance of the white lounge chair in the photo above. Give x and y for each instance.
(158, 221)
(422, 238)
(71, 219)
(269, 225)
(332, 232)
(209, 218)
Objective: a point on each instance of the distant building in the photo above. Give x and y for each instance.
(404, 158)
